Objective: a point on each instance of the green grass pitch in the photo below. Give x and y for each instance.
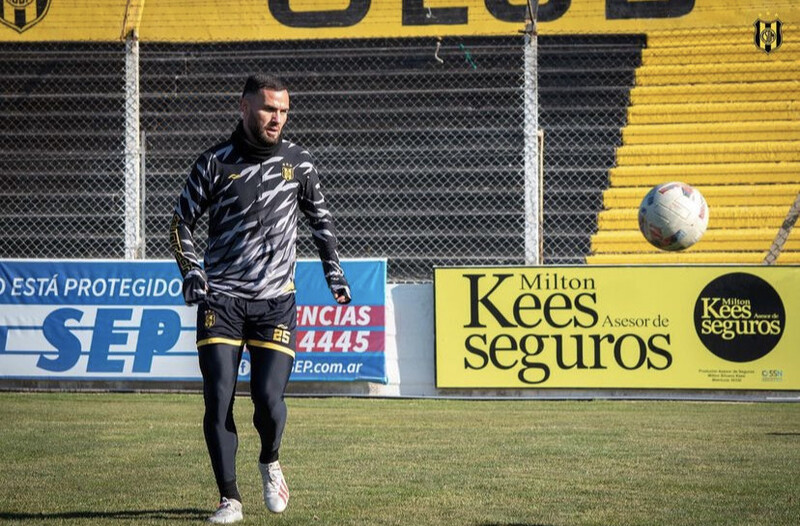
(118, 459)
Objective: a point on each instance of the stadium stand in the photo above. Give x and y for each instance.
(421, 160)
(421, 153)
(61, 128)
(723, 118)
(584, 90)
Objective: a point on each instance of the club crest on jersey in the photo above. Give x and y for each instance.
(287, 171)
(768, 35)
(21, 15)
(210, 319)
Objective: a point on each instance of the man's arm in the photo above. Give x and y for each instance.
(191, 204)
(181, 243)
(323, 231)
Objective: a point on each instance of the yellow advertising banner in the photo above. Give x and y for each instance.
(665, 327)
(256, 20)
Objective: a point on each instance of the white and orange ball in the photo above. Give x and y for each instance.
(673, 216)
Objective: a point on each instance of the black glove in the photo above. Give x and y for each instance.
(339, 288)
(195, 287)
(341, 294)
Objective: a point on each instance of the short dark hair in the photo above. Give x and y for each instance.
(259, 81)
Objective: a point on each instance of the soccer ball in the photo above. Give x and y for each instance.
(673, 216)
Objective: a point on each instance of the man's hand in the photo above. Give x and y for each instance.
(195, 287)
(341, 294)
(339, 288)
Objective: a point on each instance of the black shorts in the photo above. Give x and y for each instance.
(266, 324)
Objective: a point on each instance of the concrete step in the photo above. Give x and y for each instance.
(687, 93)
(702, 174)
(690, 258)
(715, 195)
(714, 240)
(711, 132)
(734, 217)
(706, 153)
(776, 110)
(718, 72)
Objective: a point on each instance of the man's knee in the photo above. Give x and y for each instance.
(269, 400)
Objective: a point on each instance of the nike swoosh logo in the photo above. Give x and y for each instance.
(233, 177)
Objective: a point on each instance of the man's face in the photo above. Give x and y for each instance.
(263, 114)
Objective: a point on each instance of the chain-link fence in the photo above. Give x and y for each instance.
(61, 164)
(420, 141)
(584, 86)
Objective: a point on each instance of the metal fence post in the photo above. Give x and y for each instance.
(533, 175)
(133, 186)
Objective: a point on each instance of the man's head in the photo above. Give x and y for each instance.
(265, 107)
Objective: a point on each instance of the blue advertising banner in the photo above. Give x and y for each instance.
(126, 320)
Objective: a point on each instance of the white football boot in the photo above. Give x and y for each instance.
(276, 492)
(229, 511)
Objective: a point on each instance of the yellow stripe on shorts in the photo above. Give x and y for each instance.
(270, 345)
(227, 341)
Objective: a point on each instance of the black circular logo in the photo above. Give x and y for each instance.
(739, 317)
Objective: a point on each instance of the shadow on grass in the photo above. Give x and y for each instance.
(192, 514)
(779, 434)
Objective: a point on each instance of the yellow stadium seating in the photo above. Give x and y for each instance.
(724, 118)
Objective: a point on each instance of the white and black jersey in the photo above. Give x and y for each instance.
(252, 197)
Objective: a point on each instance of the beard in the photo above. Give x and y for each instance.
(260, 135)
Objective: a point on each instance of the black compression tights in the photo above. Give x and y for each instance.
(269, 374)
